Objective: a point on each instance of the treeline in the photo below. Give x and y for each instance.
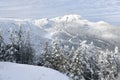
(18, 49)
(86, 62)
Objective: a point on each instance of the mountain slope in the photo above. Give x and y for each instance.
(73, 29)
(69, 29)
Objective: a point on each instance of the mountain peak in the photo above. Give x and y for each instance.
(67, 18)
(72, 16)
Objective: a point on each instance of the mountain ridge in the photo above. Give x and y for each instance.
(69, 29)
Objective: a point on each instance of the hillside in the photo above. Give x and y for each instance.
(69, 29)
(81, 49)
(13, 71)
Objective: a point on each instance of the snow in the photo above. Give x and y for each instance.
(68, 18)
(13, 71)
(41, 22)
(73, 26)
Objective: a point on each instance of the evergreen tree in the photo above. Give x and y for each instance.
(19, 46)
(9, 53)
(45, 56)
(108, 66)
(10, 48)
(2, 47)
(53, 57)
(57, 58)
(28, 51)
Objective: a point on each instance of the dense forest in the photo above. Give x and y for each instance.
(86, 62)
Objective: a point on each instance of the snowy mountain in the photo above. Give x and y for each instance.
(13, 71)
(86, 50)
(69, 29)
(72, 29)
(37, 35)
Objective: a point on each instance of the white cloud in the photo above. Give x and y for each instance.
(51, 8)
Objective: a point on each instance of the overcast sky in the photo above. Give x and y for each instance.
(93, 10)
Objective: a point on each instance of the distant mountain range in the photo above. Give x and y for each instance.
(68, 29)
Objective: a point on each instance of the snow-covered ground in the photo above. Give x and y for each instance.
(13, 71)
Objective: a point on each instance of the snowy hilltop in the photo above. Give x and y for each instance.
(12, 71)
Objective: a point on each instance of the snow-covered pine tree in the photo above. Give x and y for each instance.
(20, 46)
(45, 56)
(10, 50)
(117, 58)
(9, 53)
(75, 66)
(84, 62)
(2, 47)
(58, 59)
(28, 51)
(108, 66)
(53, 57)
